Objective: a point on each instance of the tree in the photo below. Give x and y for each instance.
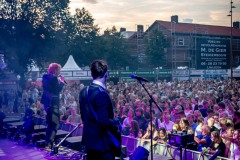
(32, 31)
(83, 36)
(155, 48)
(114, 50)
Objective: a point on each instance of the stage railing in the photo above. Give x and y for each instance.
(132, 143)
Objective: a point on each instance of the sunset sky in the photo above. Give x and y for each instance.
(129, 13)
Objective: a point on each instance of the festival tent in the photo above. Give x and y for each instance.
(71, 65)
(33, 67)
(71, 71)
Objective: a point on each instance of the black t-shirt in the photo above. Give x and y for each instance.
(195, 107)
(221, 147)
(204, 112)
(237, 126)
(141, 122)
(165, 139)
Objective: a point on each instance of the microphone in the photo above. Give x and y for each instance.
(60, 76)
(138, 78)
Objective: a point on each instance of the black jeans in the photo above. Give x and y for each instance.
(52, 120)
(99, 155)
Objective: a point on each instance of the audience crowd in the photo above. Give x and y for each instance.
(209, 109)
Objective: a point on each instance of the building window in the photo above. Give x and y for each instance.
(180, 41)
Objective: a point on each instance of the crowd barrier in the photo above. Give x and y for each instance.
(165, 150)
(63, 126)
(132, 143)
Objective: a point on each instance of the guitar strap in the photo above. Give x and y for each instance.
(94, 113)
(115, 141)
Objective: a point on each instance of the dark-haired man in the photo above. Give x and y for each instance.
(140, 119)
(97, 115)
(210, 123)
(222, 108)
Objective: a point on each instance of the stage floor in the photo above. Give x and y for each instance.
(10, 150)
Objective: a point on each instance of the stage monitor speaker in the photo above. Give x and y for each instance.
(140, 154)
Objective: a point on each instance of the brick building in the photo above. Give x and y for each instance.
(194, 46)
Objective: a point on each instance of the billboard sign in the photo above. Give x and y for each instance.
(213, 53)
(180, 73)
(197, 72)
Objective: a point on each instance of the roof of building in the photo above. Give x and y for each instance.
(127, 34)
(197, 28)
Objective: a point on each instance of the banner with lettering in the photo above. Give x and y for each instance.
(213, 53)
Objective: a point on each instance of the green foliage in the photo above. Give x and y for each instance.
(83, 36)
(43, 31)
(156, 44)
(32, 31)
(114, 49)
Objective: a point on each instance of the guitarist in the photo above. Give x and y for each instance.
(97, 116)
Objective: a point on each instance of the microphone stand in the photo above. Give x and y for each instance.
(56, 147)
(150, 101)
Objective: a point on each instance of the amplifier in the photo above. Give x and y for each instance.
(180, 139)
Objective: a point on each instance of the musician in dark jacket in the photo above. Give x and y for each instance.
(52, 86)
(99, 145)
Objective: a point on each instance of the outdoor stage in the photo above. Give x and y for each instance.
(10, 150)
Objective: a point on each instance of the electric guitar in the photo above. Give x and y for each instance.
(116, 138)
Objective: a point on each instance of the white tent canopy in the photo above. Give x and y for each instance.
(71, 65)
(238, 67)
(33, 67)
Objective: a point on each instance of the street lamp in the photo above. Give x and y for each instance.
(231, 54)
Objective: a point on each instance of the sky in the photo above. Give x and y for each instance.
(130, 13)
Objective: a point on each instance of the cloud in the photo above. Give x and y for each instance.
(90, 1)
(128, 13)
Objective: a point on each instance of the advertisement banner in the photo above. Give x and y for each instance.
(213, 72)
(213, 53)
(180, 73)
(236, 73)
(197, 72)
(66, 74)
(79, 73)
